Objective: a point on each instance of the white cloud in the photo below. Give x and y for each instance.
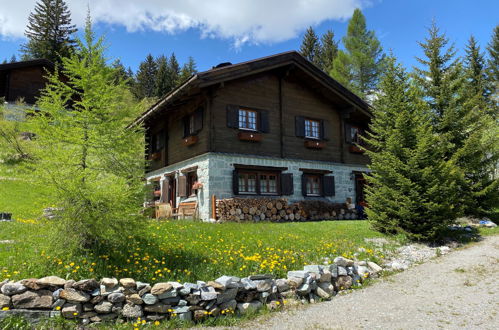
(243, 21)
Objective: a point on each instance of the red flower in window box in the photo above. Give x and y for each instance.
(190, 140)
(315, 144)
(197, 185)
(356, 150)
(250, 136)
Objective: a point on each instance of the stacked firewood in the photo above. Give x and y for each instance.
(279, 210)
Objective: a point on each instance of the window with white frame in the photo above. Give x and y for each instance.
(248, 119)
(312, 129)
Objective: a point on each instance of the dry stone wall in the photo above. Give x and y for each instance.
(91, 301)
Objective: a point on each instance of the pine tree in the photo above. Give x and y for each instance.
(93, 164)
(310, 46)
(327, 51)
(146, 78)
(13, 59)
(49, 31)
(360, 65)
(188, 69)
(493, 69)
(412, 189)
(162, 77)
(173, 72)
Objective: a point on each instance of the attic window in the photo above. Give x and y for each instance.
(248, 119)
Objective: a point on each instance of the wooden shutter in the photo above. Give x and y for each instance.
(198, 120)
(304, 184)
(185, 120)
(161, 139)
(264, 121)
(287, 184)
(348, 133)
(328, 185)
(235, 182)
(182, 186)
(233, 116)
(325, 126)
(299, 126)
(165, 191)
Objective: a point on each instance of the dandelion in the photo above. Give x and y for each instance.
(58, 308)
(5, 308)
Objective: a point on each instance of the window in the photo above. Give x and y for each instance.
(268, 183)
(192, 178)
(247, 183)
(355, 134)
(193, 123)
(312, 129)
(158, 141)
(313, 185)
(248, 119)
(192, 129)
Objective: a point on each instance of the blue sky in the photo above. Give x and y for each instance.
(220, 36)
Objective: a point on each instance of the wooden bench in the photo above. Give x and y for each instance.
(188, 209)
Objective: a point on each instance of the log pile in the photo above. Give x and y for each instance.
(279, 210)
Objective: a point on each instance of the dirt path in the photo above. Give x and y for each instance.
(459, 290)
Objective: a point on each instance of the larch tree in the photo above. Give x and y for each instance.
(411, 187)
(310, 46)
(360, 65)
(49, 31)
(86, 154)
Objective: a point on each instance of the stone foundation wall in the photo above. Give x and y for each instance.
(91, 301)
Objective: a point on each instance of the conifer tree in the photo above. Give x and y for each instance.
(359, 66)
(13, 58)
(412, 189)
(493, 69)
(327, 51)
(93, 164)
(162, 77)
(49, 31)
(121, 74)
(310, 46)
(188, 69)
(146, 78)
(173, 72)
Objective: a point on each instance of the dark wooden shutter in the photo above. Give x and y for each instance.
(198, 120)
(264, 121)
(348, 133)
(304, 184)
(287, 184)
(300, 126)
(235, 182)
(165, 192)
(233, 116)
(325, 126)
(328, 185)
(185, 120)
(161, 139)
(182, 186)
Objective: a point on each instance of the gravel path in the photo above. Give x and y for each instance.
(459, 290)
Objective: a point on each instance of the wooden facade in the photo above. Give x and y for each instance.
(283, 90)
(22, 81)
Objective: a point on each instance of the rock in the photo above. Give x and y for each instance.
(157, 308)
(334, 270)
(160, 288)
(58, 303)
(342, 271)
(71, 311)
(41, 299)
(104, 317)
(109, 282)
(325, 276)
(86, 285)
(69, 284)
(303, 289)
(325, 290)
(51, 281)
(398, 266)
(87, 307)
(216, 285)
(141, 285)
(263, 285)
(249, 307)
(181, 309)
(4, 301)
(175, 285)
(282, 285)
(208, 293)
(134, 299)
(12, 288)
(226, 295)
(193, 299)
(200, 314)
(343, 282)
(171, 301)
(248, 284)
(149, 299)
(343, 262)
(132, 311)
(317, 269)
(116, 297)
(56, 294)
(295, 282)
(374, 267)
(185, 316)
(74, 296)
(97, 299)
(30, 283)
(128, 283)
(144, 290)
(168, 294)
(298, 274)
(363, 271)
(261, 277)
(229, 305)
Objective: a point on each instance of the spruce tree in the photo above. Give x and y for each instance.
(412, 189)
(13, 58)
(85, 154)
(327, 51)
(49, 31)
(188, 69)
(173, 72)
(162, 77)
(146, 78)
(359, 66)
(310, 46)
(493, 69)
(121, 74)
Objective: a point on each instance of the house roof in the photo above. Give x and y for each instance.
(24, 64)
(228, 71)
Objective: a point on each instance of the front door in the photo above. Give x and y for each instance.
(173, 191)
(360, 184)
